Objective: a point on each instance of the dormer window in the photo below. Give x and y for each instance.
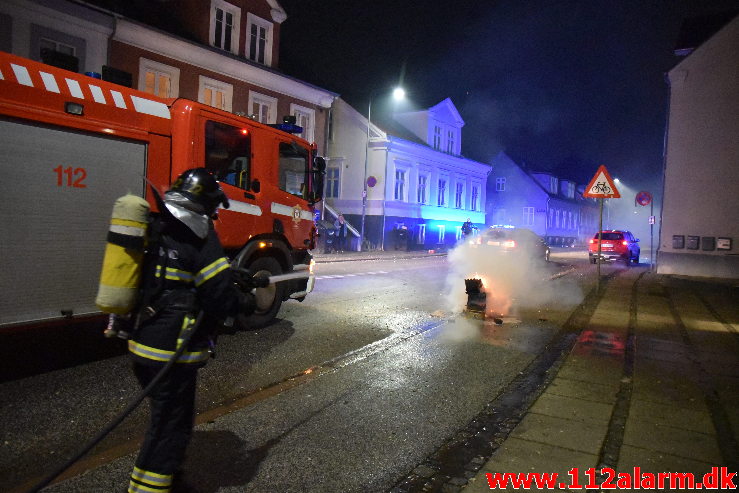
(224, 25)
(437, 137)
(450, 142)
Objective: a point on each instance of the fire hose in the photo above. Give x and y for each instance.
(123, 414)
(244, 280)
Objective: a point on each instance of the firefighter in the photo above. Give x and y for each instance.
(185, 273)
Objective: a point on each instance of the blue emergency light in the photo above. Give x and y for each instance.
(288, 125)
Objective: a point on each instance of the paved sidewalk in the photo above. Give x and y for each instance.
(373, 255)
(652, 382)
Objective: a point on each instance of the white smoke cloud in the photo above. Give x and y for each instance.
(512, 280)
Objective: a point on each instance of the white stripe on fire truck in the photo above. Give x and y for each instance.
(97, 94)
(118, 99)
(50, 82)
(244, 208)
(286, 210)
(150, 107)
(21, 73)
(75, 89)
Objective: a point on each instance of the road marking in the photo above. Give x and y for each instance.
(341, 276)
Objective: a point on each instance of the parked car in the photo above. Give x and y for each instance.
(512, 240)
(615, 245)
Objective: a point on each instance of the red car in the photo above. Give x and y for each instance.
(615, 245)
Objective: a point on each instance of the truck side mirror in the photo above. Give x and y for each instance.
(318, 172)
(256, 186)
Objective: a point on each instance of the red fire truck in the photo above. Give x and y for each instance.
(71, 144)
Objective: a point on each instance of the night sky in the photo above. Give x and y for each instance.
(561, 86)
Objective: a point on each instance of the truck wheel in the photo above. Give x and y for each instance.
(636, 259)
(269, 299)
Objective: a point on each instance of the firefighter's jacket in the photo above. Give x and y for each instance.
(183, 274)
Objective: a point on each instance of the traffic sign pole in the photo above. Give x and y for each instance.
(600, 237)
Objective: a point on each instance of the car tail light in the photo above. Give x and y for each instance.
(624, 243)
(509, 244)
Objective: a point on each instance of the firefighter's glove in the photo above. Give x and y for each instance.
(260, 280)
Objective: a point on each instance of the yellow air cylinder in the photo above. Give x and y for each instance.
(124, 255)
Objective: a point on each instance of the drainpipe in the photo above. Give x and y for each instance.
(654, 265)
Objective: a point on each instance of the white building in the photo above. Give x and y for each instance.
(700, 214)
(418, 183)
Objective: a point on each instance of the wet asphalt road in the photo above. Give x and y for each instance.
(354, 422)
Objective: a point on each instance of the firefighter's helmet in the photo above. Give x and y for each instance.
(200, 187)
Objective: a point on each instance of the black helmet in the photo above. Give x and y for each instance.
(200, 187)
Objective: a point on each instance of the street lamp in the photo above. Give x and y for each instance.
(398, 95)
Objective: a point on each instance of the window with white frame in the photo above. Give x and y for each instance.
(400, 184)
(437, 137)
(421, 238)
(262, 108)
(499, 216)
(571, 224)
(450, 141)
(304, 117)
(259, 43)
(557, 216)
(442, 233)
(215, 93)
(333, 178)
(421, 192)
(528, 216)
(58, 46)
(459, 195)
(158, 79)
(551, 218)
(500, 184)
(225, 20)
(475, 198)
(441, 197)
(553, 183)
(458, 233)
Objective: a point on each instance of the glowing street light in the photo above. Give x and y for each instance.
(398, 95)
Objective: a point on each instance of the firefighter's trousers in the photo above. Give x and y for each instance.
(172, 403)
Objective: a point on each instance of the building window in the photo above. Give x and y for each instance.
(215, 93)
(500, 184)
(259, 48)
(437, 137)
(442, 233)
(158, 79)
(333, 175)
(262, 108)
(499, 217)
(553, 184)
(421, 238)
(458, 233)
(450, 142)
(557, 222)
(441, 199)
(459, 195)
(304, 117)
(58, 46)
(224, 25)
(399, 184)
(550, 223)
(422, 179)
(474, 206)
(528, 216)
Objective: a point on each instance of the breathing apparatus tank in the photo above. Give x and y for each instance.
(124, 255)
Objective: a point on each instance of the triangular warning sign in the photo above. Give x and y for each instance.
(601, 186)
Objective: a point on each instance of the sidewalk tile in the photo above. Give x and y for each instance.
(670, 440)
(596, 392)
(570, 408)
(650, 461)
(678, 417)
(523, 456)
(560, 432)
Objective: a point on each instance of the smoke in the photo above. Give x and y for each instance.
(514, 280)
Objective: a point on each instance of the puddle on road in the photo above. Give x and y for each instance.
(512, 333)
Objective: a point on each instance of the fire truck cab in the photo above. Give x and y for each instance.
(71, 144)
